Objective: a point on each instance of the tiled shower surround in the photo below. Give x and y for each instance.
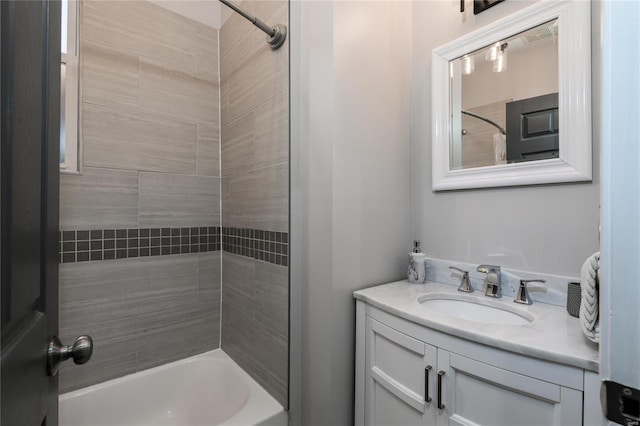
(182, 203)
(150, 146)
(254, 99)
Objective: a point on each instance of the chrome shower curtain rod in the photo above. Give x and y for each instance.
(479, 117)
(275, 36)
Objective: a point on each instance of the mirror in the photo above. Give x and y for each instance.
(494, 103)
(511, 101)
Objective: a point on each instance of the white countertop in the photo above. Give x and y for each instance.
(553, 335)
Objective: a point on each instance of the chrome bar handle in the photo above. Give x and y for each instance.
(465, 286)
(427, 398)
(522, 296)
(440, 404)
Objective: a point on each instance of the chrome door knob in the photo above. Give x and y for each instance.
(57, 352)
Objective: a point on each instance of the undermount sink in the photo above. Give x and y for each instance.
(475, 310)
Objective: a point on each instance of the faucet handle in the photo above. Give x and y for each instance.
(522, 296)
(465, 286)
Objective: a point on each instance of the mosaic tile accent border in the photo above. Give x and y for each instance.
(268, 246)
(107, 244)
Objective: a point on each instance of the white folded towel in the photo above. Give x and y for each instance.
(589, 286)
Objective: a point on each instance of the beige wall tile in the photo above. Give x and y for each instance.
(271, 129)
(98, 199)
(258, 199)
(177, 94)
(271, 361)
(209, 278)
(263, 78)
(256, 347)
(234, 57)
(273, 11)
(225, 100)
(269, 206)
(175, 334)
(208, 150)
(166, 282)
(225, 202)
(237, 200)
(207, 53)
(178, 200)
(128, 141)
(238, 149)
(272, 296)
(103, 291)
(258, 138)
(141, 28)
(235, 28)
(109, 77)
(237, 328)
(238, 289)
(97, 292)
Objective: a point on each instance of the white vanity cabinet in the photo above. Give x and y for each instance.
(408, 374)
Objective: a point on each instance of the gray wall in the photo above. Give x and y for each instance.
(550, 228)
(352, 180)
(255, 195)
(150, 131)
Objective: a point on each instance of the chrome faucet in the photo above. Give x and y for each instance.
(522, 296)
(492, 281)
(465, 287)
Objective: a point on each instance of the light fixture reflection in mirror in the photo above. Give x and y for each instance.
(492, 52)
(488, 89)
(500, 64)
(468, 65)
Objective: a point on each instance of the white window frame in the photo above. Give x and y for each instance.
(70, 58)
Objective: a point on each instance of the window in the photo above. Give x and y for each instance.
(69, 158)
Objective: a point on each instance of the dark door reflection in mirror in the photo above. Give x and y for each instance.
(508, 74)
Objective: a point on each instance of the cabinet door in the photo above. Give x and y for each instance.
(400, 374)
(475, 393)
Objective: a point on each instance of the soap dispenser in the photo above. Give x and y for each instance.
(416, 272)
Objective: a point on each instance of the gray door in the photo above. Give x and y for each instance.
(30, 108)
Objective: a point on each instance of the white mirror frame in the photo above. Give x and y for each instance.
(574, 100)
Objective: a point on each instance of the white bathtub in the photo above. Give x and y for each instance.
(207, 389)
